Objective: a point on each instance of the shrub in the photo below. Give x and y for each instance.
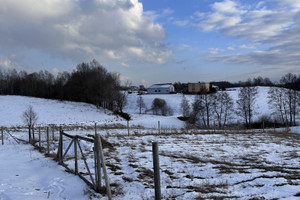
(183, 118)
(160, 107)
(124, 115)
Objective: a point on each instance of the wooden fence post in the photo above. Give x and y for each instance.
(48, 142)
(156, 171)
(75, 155)
(102, 163)
(128, 126)
(60, 146)
(39, 137)
(2, 136)
(53, 131)
(159, 127)
(97, 162)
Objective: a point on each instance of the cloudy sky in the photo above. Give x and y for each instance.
(154, 41)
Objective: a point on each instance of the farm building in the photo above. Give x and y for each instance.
(199, 87)
(165, 88)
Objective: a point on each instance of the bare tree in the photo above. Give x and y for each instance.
(202, 110)
(29, 118)
(141, 104)
(276, 101)
(288, 81)
(223, 108)
(246, 102)
(185, 107)
(121, 100)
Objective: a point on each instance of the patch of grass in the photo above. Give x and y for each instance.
(133, 165)
(127, 179)
(113, 167)
(145, 173)
(297, 195)
(124, 115)
(168, 172)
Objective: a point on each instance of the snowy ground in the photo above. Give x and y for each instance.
(28, 175)
(69, 113)
(194, 165)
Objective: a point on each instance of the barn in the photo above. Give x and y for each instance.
(164, 88)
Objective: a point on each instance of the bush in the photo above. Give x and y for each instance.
(183, 118)
(160, 107)
(124, 115)
(266, 121)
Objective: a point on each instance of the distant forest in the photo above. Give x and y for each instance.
(89, 82)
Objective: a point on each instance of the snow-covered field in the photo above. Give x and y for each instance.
(194, 165)
(70, 113)
(26, 174)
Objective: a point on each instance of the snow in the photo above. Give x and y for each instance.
(71, 113)
(27, 174)
(194, 164)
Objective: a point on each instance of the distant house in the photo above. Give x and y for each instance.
(199, 87)
(165, 88)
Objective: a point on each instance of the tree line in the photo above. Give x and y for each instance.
(257, 81)
(89, 82)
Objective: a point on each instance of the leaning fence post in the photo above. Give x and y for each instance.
(48, 142)
(107, 184)
(2, 136)
(156, 171)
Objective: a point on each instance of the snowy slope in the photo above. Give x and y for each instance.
(70, 113)
(50, 111)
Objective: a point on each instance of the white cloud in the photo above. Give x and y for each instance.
(272, 26)
(226, 6)
(225, 14)
(244, 46)
(125, 65)
(81, 30)
(182, 22)
(214, 51)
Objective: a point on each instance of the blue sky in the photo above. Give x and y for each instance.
(154, 41)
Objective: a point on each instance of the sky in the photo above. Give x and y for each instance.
(154, 41)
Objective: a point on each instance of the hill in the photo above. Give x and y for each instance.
(74, 113)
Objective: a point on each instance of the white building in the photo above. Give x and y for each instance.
(165, 88)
